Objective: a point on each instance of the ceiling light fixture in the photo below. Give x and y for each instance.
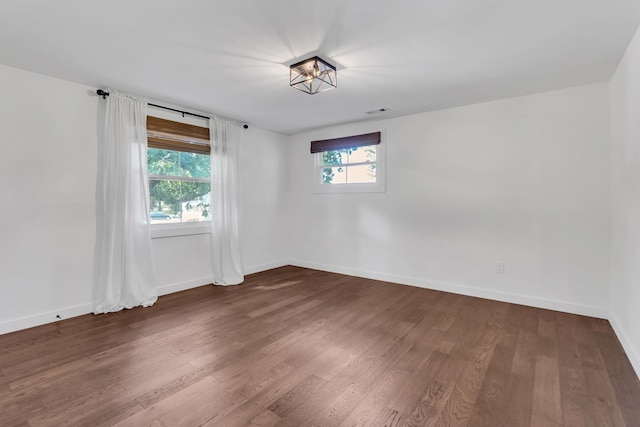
(313, 75)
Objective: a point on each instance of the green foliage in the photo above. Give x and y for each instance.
(340, 157)
(333, 158)
(174, 193)
(177, 163)
(370, 152)
(172, 164)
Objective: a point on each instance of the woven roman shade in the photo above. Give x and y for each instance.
(169, 135)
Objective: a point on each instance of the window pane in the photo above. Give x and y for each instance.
(179, 201)
(336, 157)
(196, 201)
(334, 175)
(165, 205)
(162, 162)
(195, 165)
(362, 154)
(361, 174)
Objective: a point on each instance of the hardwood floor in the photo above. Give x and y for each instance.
(297, 347)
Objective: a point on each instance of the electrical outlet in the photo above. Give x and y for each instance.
(500, 268)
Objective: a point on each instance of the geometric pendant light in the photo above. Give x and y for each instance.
(313, 75)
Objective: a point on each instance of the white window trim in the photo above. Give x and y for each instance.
(379, 186)
(159, 231)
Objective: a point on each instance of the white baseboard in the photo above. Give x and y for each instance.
(264, 267)
(203, 281)
(183, 286)
(79, 310)
(44, 318)
(627, 344)
(567, 307)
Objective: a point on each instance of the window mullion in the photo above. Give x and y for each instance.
(178, 178)
(369, 162)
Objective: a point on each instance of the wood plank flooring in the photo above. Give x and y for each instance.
(298, 347)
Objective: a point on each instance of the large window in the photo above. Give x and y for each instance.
(179, 172)
(349, 164)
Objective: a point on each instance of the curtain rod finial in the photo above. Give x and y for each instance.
(102, 93)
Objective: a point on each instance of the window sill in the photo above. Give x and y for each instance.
(160, 231)
(349, 188)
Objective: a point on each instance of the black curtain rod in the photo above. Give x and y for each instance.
(104, 95)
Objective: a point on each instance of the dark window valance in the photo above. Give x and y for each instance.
(345, 142)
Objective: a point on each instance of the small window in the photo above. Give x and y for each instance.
(349, 164)
(179, 165)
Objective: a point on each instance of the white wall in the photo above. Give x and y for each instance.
(263, 178)
(524, 181)
(47, 208)
(625, 198)
(48, 135)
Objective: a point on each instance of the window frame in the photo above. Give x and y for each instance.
(167, 134)
(362, 187)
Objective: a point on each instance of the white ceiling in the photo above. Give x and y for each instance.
(230, 57)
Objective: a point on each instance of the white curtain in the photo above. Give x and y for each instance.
(225, 245)
(125, 270)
